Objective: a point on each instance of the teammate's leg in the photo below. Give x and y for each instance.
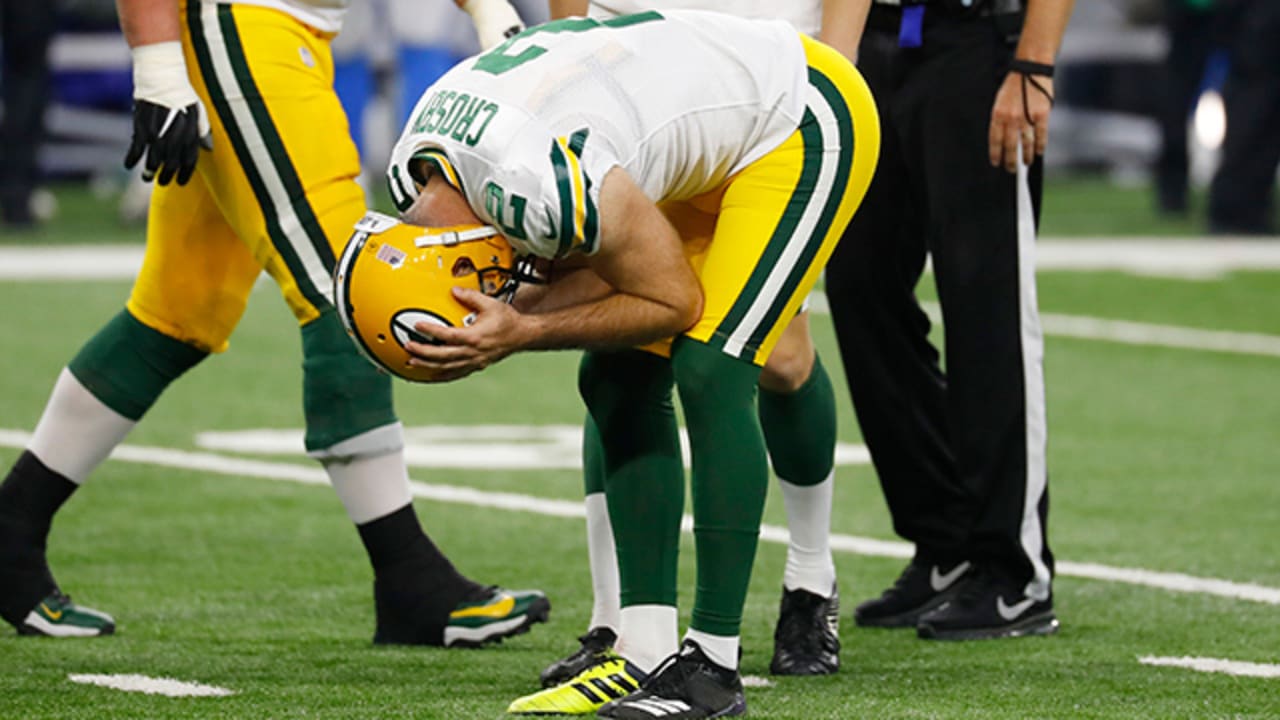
(288, 186)
(798, 416)
(602, 560)
(189, 295)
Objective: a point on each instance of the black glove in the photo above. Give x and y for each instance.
(169, 137)
(169, 121)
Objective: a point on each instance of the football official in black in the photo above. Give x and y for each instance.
(964, 89)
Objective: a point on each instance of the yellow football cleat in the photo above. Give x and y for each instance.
(609, 678)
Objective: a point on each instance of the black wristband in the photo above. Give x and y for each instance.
(1028, 67)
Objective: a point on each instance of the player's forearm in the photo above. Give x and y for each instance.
(147, 22)
(567, 8)
(567, 288)
(1043, 28)
(842, 24)
(614, 322)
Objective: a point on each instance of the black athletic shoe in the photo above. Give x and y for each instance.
(596, 642)
(920, 588)
(807, 638)
(481, 616)
(986, 607)
(685, 685)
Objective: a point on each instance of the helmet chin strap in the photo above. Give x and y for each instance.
(449, 238)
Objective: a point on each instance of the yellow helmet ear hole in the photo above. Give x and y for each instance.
(463, 267)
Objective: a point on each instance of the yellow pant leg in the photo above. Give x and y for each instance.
(781, 217)
(283, 166)
(277, 192)
(196, 274)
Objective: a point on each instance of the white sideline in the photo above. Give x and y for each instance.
(224, 465)
(151, 686)
(1215, 665)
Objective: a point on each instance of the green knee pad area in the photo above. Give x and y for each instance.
(800, 429)
(127, 365)
(343, 395)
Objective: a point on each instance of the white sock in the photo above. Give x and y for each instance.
(809, 562)
(603, 560)
(720, 649)
(368, 472)
(649, 635)
(77, 431)
(371, 487)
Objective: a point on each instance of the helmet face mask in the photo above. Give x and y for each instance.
(392, 276)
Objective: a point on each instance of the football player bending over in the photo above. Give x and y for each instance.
(703, 167)
(273, 189)
(797, 416)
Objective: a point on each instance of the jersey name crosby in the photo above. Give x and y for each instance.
(681, 100)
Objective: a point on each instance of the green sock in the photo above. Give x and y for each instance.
(628, 394)
(730, 476)
(592, 458)
(800, 428)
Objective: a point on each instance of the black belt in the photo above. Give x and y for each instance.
(886, 15)
(978, 7)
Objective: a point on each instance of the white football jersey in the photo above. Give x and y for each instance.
(681, 100)
(804, 15)
(325, 15)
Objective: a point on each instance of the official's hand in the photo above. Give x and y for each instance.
(1020, 116)
(170, 124)
(462, 351)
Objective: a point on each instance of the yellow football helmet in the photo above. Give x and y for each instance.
(392, 276)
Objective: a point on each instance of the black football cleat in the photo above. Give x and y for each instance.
(686, 686)
(482, 616)
(806, 640)
(921, 587)
(595, 643)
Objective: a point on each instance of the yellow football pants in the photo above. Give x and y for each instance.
(759, 242)
(277, 192)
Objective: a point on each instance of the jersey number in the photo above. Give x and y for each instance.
(502, 59)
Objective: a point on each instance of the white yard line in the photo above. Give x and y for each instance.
(70, 262)
(1216, 665)
(1125, 332)
(1193, 258)
(151, 686)
(224, 465)
(471, 447)
(1189, 258)
(1150, 256)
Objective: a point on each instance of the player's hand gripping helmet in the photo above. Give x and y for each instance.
(392, 276)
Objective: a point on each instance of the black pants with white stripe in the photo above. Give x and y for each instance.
(1242, 197)
(25, 31)
(960, 452)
